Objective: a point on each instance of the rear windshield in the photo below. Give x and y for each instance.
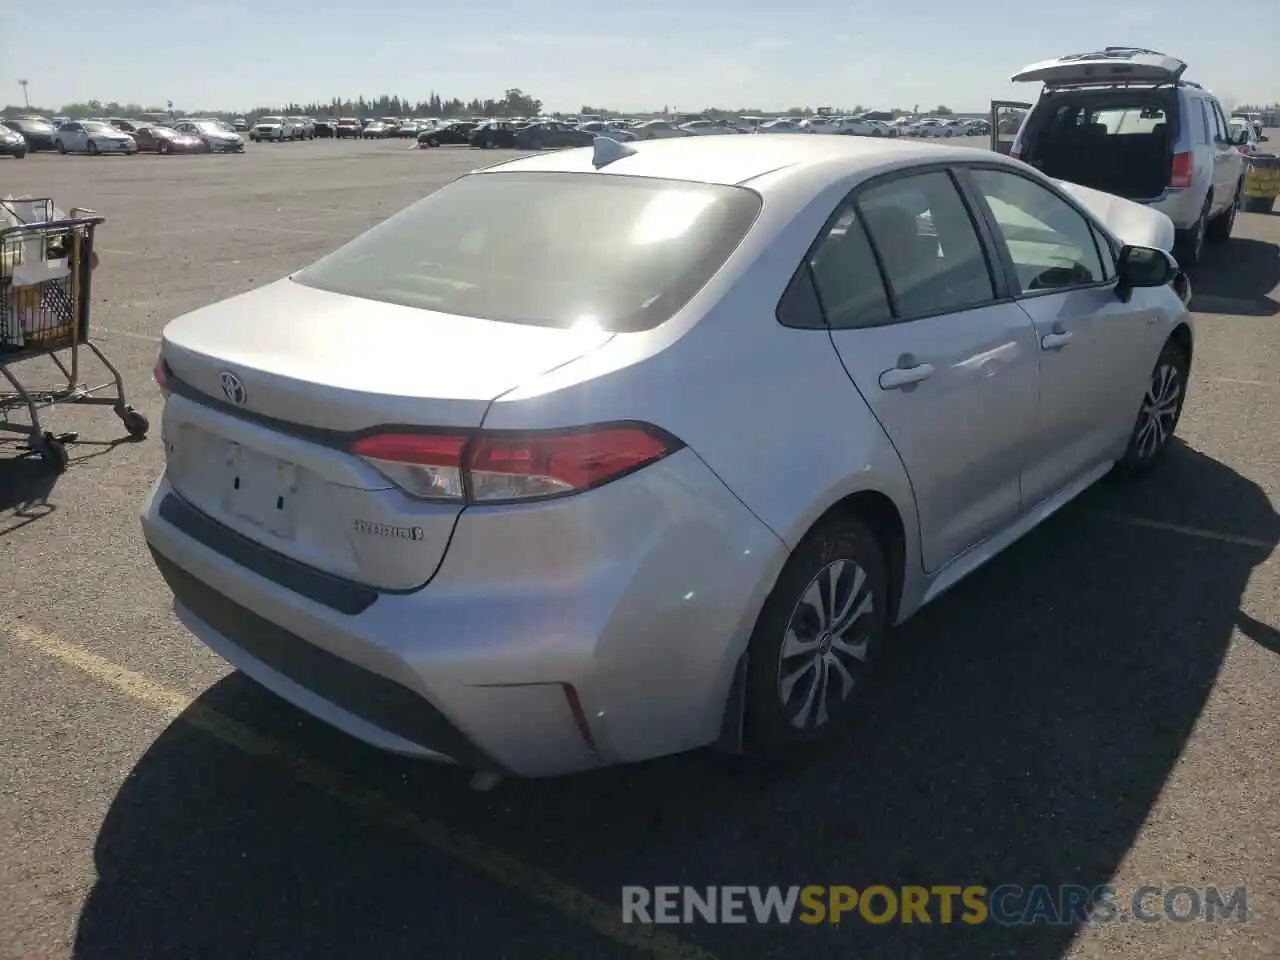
(550, 249)
(1120, 113)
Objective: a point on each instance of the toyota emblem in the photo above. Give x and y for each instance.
(232, 388)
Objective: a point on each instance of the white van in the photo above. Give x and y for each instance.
(1123, 120)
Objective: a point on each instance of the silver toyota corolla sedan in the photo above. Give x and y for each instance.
(605, 454)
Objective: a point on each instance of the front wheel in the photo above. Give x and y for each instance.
(1159, 412)
(59, 146)
(817, 639)
(93, 148)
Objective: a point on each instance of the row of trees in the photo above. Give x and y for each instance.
(513, 103)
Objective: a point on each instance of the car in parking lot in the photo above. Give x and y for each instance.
(455, 134)
(377, 130)
(92, 137)
(273, 128)
(347, 127)
(153, 138)
(554, 526)
(215, 137)
(1123, 120)
(550, 134)
(304, 127)
(12, 144)
(37, 132)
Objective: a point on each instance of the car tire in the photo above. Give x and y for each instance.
(19, 154)
(163, 148)
(1190, 245)
(59, 146)
(433, 142)
(1220, 227)
(817, 640)
(92, 147)
(1159, 412)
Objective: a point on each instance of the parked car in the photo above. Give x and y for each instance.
(216, 137)
(495, 133)
(608, 128)
(658, 130)
(93, 137)
(37, 132)
(348, 127)
(304, 127)
(780, 125)
(12, 144)
(542, 534)
(276, 129)
(456, 133)
(550, 134)
(1245, 136)
(1157, 139)
(705, 128)
(326, 128)
(240, 125)
(376, 130)
(152, 138)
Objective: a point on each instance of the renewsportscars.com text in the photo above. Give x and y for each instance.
(1006, 905)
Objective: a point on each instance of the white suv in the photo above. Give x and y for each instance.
(1123, 120)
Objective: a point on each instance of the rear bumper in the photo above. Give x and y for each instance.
(556, 637)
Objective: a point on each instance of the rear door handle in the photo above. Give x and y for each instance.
(897, 377)
(1055, 341)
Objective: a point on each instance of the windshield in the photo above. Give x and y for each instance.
(210, 126)
(551, 249)
(275, 120)
(92, 127)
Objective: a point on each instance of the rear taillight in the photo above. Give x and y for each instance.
(1183, 167)
(493, 467)
(161, 374)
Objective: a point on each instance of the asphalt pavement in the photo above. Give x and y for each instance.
(1098, 705)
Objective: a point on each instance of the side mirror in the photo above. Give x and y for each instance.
(1144, 267)
(1241, 138)
(1263, 138)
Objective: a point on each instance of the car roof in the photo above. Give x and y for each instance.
(736, 160)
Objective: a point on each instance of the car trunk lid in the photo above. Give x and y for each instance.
(1110, 65)
(266, 389)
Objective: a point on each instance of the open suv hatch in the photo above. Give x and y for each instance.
(1123, 120)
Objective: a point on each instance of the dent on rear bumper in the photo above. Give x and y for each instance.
(639, 596)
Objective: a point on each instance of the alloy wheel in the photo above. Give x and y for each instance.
(826, 645)
(1159, 413)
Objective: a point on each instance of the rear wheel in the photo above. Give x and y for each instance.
(1219, 229)
(817, 639)
(59, 146)
(1159, 412)
(1191, 243)
(93, 148)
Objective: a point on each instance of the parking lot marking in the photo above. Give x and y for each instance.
(530, 882)
(1184, 530)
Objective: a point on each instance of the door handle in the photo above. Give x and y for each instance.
(903, 376)
(1056, 340)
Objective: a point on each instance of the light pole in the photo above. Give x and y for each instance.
(26, 101)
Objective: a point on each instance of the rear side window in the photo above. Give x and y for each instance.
(927, 245)
(1205, 126)
(846, 276)
(549, 249)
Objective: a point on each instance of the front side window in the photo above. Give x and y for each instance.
(927, 245)
(550, 249)
(1050, 243)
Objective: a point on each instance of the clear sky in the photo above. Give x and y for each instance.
(686, 54)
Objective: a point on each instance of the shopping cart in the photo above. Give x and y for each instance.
(46, 268)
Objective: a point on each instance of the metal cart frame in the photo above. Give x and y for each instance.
(46, 281)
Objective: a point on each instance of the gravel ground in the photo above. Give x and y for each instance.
(1097, 706)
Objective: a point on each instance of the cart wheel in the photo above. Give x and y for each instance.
(53, 452)
(134, 422)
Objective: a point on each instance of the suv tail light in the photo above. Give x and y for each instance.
(1183, 167)
(161, 374)
(501, 466)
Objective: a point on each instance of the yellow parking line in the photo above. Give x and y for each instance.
(529, 881)
(1186, 531)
